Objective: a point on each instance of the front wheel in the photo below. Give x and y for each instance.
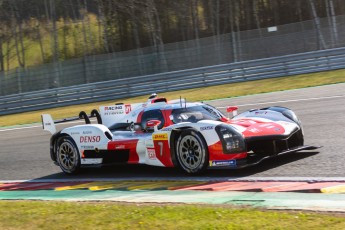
(191, 152)
(67, 155)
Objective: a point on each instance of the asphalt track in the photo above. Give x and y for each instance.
(24, 151)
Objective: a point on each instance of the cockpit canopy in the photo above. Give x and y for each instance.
(195, 113)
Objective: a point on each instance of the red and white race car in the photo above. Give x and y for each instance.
(191, 136)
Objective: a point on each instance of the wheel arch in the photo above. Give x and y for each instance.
(53, 143)
(175, 134)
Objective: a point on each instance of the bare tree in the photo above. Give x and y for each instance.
(2, 62)
(237, 15)
(233, 33)
(334, 21)
(102, 26)
(156, 32)
(54, 32)
(131, 8)
(18, 35)
(321, 40)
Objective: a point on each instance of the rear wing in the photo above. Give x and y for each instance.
(48, 123)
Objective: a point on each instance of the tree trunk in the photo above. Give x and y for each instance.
(300, 16)
(217, 16)
(55, 46)
(39, 37)
(195, 19)
(321, 40)
(85, 42)
(233, 35)
(163, 61)
(92, 44)
(334, 22)
(103, 34)
(275, 5)
(257, 19)
(237, 22)
(2, 65)
(329, 19)
(135, 31)
(8, 49)
(19, 50)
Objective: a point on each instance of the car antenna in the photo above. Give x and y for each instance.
(185, 103)
(180, 101)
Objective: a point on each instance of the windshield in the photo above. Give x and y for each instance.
(195, 114)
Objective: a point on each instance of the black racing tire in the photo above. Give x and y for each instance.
(191, 152)
(67, 155)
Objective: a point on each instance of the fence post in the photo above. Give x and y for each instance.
(2, 86)
(85, 69)
(19, 80)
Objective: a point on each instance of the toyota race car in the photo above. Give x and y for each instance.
(190, 136)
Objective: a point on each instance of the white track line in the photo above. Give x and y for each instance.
(261, 103)
(294, 100)
(38, 126)
(213, 179)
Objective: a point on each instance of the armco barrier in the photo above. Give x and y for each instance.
(184, 79)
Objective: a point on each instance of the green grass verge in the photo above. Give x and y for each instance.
(197, 94)
(68, 215)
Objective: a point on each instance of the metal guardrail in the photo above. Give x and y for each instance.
(184, 79)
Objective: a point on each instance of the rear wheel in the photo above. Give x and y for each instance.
(67, 155)
(191, 152)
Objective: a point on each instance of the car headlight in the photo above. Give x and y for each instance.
(232, 140)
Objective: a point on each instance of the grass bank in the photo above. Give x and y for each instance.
(197, 94)
(68, 215)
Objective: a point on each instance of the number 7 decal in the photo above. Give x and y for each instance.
(160, 148)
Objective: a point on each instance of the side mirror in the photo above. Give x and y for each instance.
(136, 127)
(153, 124)
(232, 109)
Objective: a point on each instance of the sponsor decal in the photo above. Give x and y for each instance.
(267, 126)
(90, 139)
(206, 128)
(91, 161)
(150, 145)
(88, 147)
(270, 126)
(75, 133)
(117, 107)
(113, 110)
(113, 113)
(87, 132)
(151, 154)
(128, 109)
(48, 123)
(120, 147)
(254, 130)
(160, 137)
(260, 112)
(231, 163)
